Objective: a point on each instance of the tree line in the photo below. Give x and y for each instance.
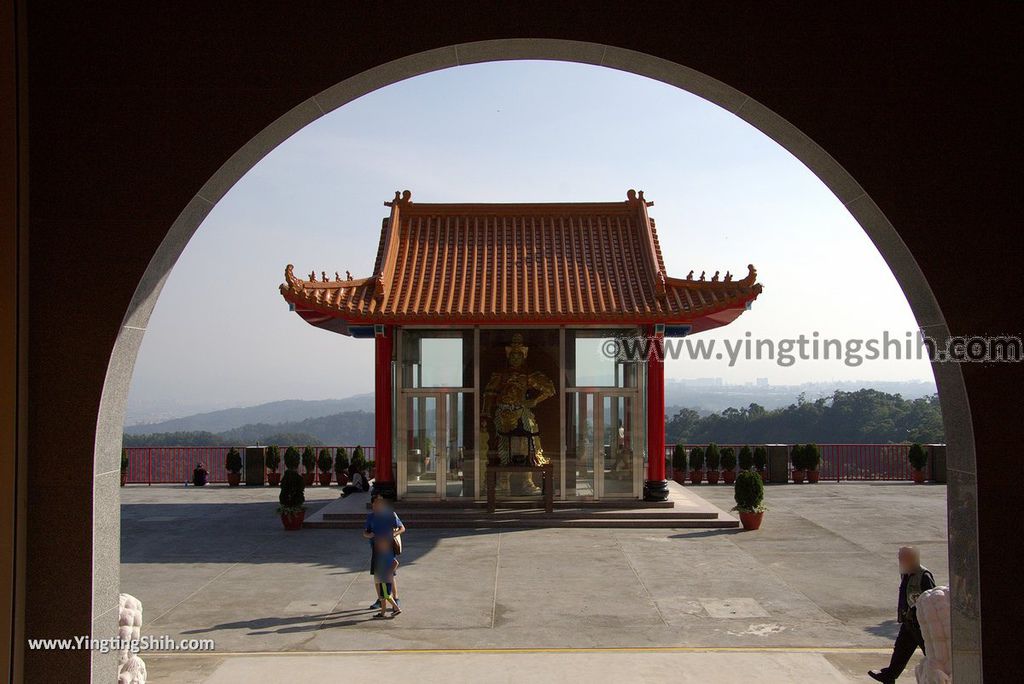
(866, 416)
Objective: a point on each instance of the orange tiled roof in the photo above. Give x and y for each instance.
(592, 262)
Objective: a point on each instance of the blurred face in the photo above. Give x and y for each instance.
(378, 504)
(909, 560)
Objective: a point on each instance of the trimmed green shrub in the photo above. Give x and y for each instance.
(124, 460)
(309, 459)
(291, 458)
(341, 460)
(812, 456)
(324, 462)
(748, 492)
(359, 459)
(712, 456)
(796, 457)
(728, 459)
(293, 492)
(233, 461)
(746, 459)
(696, 458)
(273, 458)
(917, 456)
(760, 457)
(679, 458)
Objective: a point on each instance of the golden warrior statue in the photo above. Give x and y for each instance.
(508, 402)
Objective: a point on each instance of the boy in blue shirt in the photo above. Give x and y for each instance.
(384, 576)
(382, 523)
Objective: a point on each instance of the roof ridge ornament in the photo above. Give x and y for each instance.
(401, 199)
(632, 196)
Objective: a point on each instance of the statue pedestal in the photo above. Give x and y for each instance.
(547, 471)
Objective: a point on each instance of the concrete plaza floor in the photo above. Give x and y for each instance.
(809, 597)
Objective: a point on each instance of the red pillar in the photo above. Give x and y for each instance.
(383, 387)
(656, 486)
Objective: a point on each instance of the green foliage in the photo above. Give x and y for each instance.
(124, 460)
(748, 492)
(679, 458)
(796, 457)
(359, 459)
(811, 456)
(728, 459)
(341, 460)
(760, 457)
(324, 462)
(233, 461)
(866, 416)
(696, 458)
(182, 439)
(273, 457)
(309, 459)
(746, 458)
(917, 456)
(712, 456)
(293, 492)
(291, 458)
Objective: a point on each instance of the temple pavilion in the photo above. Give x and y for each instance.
(509, 333)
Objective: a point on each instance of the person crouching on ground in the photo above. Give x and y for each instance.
(915, 579)
(387, 563)
(199, 475)
(383, 523)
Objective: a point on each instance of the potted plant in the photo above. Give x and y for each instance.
(292, 458)
(233, 464)
(713, 458)
(761, 462)
(324, 463)
(796, 457)
(124, 467)
(812, 461)
(728, 465)
(696, 465)
(309, 465)
(358, 459)
(292, 496)
(918, 458)
(749, 495)
(341, 466)
(679, 464)
(746, 458)
(273, 462)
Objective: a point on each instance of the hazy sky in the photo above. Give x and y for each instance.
(725, 195)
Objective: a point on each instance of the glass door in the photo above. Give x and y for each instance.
(602, 444)
(436, 460)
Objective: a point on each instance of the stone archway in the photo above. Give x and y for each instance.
(962, 503)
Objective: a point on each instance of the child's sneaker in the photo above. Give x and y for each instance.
(376, 605)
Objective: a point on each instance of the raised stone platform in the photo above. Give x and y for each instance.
(682, 510)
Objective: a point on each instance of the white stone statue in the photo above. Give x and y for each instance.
(933, 616)
(132, 670)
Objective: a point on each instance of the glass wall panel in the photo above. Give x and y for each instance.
(591, 360)
(437, 358)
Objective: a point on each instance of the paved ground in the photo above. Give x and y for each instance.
(812, 593)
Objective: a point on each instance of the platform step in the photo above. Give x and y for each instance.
(462, 514)
(512, 523)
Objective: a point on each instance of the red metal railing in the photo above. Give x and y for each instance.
(161, 465)
(849, 461)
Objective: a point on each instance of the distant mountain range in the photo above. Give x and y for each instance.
(275, 413)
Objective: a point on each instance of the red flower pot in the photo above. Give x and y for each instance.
(799, 475)
(729, 476)
(679, 476)
(308, 478)
(813, 476)
(124, 478)
(342, 478)
(273, 478)
(918, 477)
(293, 521)
(325, 479)
(713, 477)
(751, 521)
(234, 479)
(762, 473)
(696, 476)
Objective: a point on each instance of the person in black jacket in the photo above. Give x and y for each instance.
(199, 475)
(915, 579)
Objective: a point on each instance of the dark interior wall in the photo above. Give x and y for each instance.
(133, 107)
